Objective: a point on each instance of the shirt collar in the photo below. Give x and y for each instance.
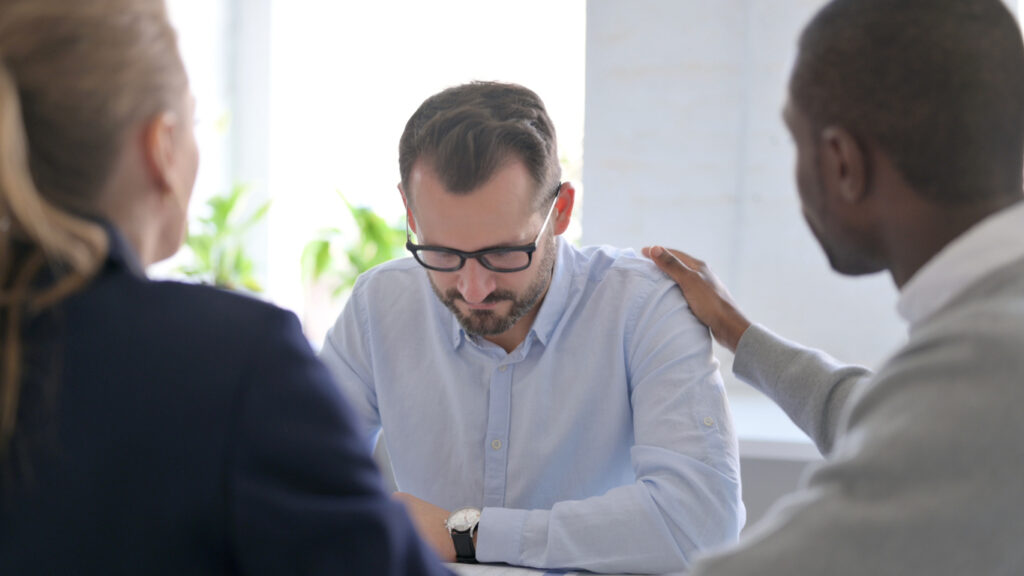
(556, 299)
(458, 334)
(989, 245)
(551, 307)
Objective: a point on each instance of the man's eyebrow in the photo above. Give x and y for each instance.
(489, 247)
(501, 245)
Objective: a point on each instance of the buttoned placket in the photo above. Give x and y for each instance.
(499, 411)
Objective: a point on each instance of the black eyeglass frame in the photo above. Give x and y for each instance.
(480, 255)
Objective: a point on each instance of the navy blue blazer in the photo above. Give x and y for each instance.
(177, 429)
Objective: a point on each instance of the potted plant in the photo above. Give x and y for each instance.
(329, 258)
(219, 256)
(332, 261)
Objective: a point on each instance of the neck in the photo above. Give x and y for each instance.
(135, 223)
(914, 241)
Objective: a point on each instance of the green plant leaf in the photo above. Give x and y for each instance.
(327, 256)
(255, 217)
(217, 242)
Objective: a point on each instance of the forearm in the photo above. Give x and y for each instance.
(810, 386)
(656, 525)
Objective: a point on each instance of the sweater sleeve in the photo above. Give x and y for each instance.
(809, 385)
(924, 474)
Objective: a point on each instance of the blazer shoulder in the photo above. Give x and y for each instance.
(189, 312)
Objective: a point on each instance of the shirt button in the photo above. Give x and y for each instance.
(502, 368)
(496, 444)
(709, 421)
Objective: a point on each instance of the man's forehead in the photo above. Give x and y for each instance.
(497, 213)
(510, 182)
(420, 171)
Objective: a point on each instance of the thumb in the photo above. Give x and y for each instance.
(670, 265)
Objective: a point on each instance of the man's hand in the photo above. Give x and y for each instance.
(708, 297)
(430, 523)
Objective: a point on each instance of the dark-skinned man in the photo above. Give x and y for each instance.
(908, 120)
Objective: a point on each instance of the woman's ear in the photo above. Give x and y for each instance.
(159, 150)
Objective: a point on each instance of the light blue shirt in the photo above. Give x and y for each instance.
(602, 442)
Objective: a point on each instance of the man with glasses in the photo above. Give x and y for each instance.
(543, 405)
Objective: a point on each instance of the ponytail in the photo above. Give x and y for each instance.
(33, 233)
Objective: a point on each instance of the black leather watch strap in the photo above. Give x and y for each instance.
(465, 552)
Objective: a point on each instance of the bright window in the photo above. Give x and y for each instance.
(303, 99)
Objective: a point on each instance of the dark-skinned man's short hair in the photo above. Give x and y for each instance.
(467, 133)
(938, 85)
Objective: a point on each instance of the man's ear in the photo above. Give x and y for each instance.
(158, 140)
(843, 164)
(408, 211)
(563, 207)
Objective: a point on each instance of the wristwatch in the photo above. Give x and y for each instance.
(462, 525)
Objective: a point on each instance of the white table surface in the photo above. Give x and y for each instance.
(504, 570)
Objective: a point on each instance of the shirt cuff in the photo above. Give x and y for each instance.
(500, 535)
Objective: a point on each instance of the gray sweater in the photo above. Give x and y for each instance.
(924, 467)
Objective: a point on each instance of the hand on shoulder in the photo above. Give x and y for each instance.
(709, 299)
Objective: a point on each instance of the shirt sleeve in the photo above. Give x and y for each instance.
(809, 385)
(924, 477)
(304, 496)
(346, 353)
(686, 497)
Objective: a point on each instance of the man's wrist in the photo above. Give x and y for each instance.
(462, 526)
(737, 329)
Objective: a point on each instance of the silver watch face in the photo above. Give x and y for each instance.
(463, 520)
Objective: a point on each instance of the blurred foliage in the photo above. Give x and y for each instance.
(217, 243)
(339, 259)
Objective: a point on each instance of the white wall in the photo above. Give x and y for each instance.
(684, 146)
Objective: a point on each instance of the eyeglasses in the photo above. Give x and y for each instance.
(500, 259)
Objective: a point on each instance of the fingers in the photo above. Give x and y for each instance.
(656, 252)
(709, 300)
(685, 258)
(670, 262)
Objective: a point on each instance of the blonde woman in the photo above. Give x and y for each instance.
(150, 427)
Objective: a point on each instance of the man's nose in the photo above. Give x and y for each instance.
(475, 282)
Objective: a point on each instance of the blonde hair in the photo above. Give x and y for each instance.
(74, 78)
